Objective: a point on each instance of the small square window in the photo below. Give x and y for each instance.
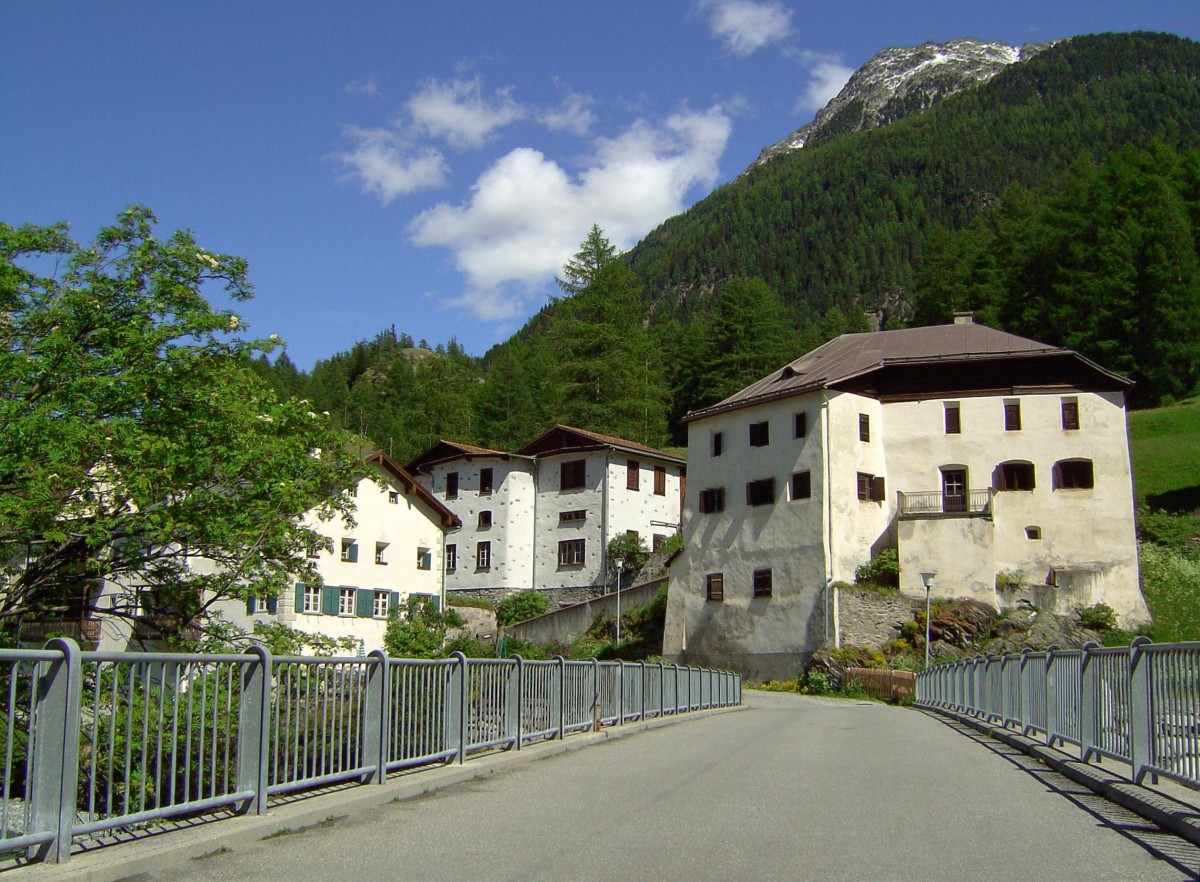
(571, 552)
(760, 492)
(380, 549)
(1012, 416)
(801, 485)
(485, 481)
(313, 552)
(393, 497)
(451, 558)
(483, 555)
(657, 542)
(660, 481)
(485, 520)
(762, 583)
(953, 419)
(424, 559)
(800, 425)
(572, 517)
(349, 551)
(870, 487)
(760, 434)
(712, 500)
(633, 474)
(864, 427)
(1033, 532)
(714, 586)
(1074, 474)
(1070, 413)
(1015, 476)
(452, 485)
(573, 474)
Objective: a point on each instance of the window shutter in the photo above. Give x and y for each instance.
(877, 491)
(353, 557)
(251, 605)
(437, 602)
(364, 603)
(329, 600)
(427, 560)
(393, 602)
(299, 604)
(273, 604)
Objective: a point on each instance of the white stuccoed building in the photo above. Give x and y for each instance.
(973, 452)
(542, 517)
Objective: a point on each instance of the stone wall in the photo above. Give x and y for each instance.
(868, 618)
(558, 598)
(569, 624)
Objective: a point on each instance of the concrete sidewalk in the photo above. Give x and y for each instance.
(188, 840)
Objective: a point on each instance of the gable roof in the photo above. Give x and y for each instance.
(444, 451)
(852, 357)
(562, 438)
(393, 468)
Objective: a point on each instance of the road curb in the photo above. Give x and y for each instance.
(177, 845)
(1167, 812)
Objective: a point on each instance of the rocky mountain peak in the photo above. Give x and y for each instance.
(901, 82)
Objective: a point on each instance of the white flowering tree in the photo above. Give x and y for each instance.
(135, 441)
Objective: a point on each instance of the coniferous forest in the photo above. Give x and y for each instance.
(1060, 200)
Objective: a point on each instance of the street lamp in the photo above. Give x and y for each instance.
(620, 566)
(927, 580)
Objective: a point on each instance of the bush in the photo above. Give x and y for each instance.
(631, 551)
(472, 602)
(527, 604)
(1098, 617)
(421, 630)
(1009, 580)
(471, 647)
(882, 569)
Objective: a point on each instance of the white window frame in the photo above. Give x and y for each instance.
(380, 608)
(312, 600)
(347, 599)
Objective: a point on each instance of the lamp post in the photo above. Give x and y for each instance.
(927, 579)
(620, 566)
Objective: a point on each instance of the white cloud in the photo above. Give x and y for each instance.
(745, 26)
(368, 88)
(826, 77)
(573, 114)
(459, 112)
(387, 166)
(526, 215)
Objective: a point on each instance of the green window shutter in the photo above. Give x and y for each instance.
(300, 597)
(329, 600)
(353, 553)
(393, 601)
(437, 602)
(251, 605)
(272, 604)
(364, 602)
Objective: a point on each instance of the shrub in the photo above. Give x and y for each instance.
(631, 551)
(816, 683)
(1098, 617)
(1009, 580)
(421, 630)
(523, 605)
(882, 569)
(473, 602)
(471, 647)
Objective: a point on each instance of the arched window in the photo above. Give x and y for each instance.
(1074, 474)
(1013, 475)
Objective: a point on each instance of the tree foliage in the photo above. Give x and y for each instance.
(419, 631)
(137, 437)
(594, 254)
(520, 606)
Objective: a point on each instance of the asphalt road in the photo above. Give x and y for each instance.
(795, 788)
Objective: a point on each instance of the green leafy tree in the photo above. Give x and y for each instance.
(137, 438)
(419, 631)
(594, 254)
(631, 551)
(520, 606)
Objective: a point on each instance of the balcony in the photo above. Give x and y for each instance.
(84, 631)
(936, 503)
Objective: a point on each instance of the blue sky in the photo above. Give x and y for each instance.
(431, 165)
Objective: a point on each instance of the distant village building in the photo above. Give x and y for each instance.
(542, 517)
(972, 452)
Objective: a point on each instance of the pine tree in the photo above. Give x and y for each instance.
(595, 253)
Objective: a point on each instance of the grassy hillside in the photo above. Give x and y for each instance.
(1165, 446)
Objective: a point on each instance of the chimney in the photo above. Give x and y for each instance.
(964, 318)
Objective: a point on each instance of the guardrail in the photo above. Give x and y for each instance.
(935, 502)
(95, 742)
(1137, 704)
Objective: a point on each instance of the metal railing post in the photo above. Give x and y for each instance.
(595, 695)
(1053, 711)
(1141, 710)
(1023, 696)
(561, 695)
(621, 692)
(457, 721)
(1089, 688)
(662, 691)
(254, 730)
(642, 680)
(376, 713)
(54, 774)
(513, 698)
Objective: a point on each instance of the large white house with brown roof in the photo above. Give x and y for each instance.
(542, 517)
(973, 452)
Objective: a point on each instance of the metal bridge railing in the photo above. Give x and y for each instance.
(95, 742)
(1137, 704)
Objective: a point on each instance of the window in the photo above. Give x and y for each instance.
(349, 551)
(632, 475)
(657, 542)
(313, 552)
(346, 598)
(451, 558)
(424, 559)
(353, 491)
(483, 556)
(954, 489)
(760, 492)
(1012, 415)
(660, 481)
(452, 485)
(1033, 532)
(800, 425)
(572, 517)
(573, 474)
(712, 500)
(762, 583)
(485, 520)
(760, 434)
(1073, 474)
(380, 548)
(1014, 476)
(801, 485)
(393, 497)
(714, 586)
(485, 481)
(312, 599)
(870, 487)
(1070, 413)
(864, 427)
(716, 443)
(953, 418)
(570, 552)
(380, 607)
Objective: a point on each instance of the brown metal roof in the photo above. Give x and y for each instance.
(852, 355)
(444, 451)
(562, 437)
